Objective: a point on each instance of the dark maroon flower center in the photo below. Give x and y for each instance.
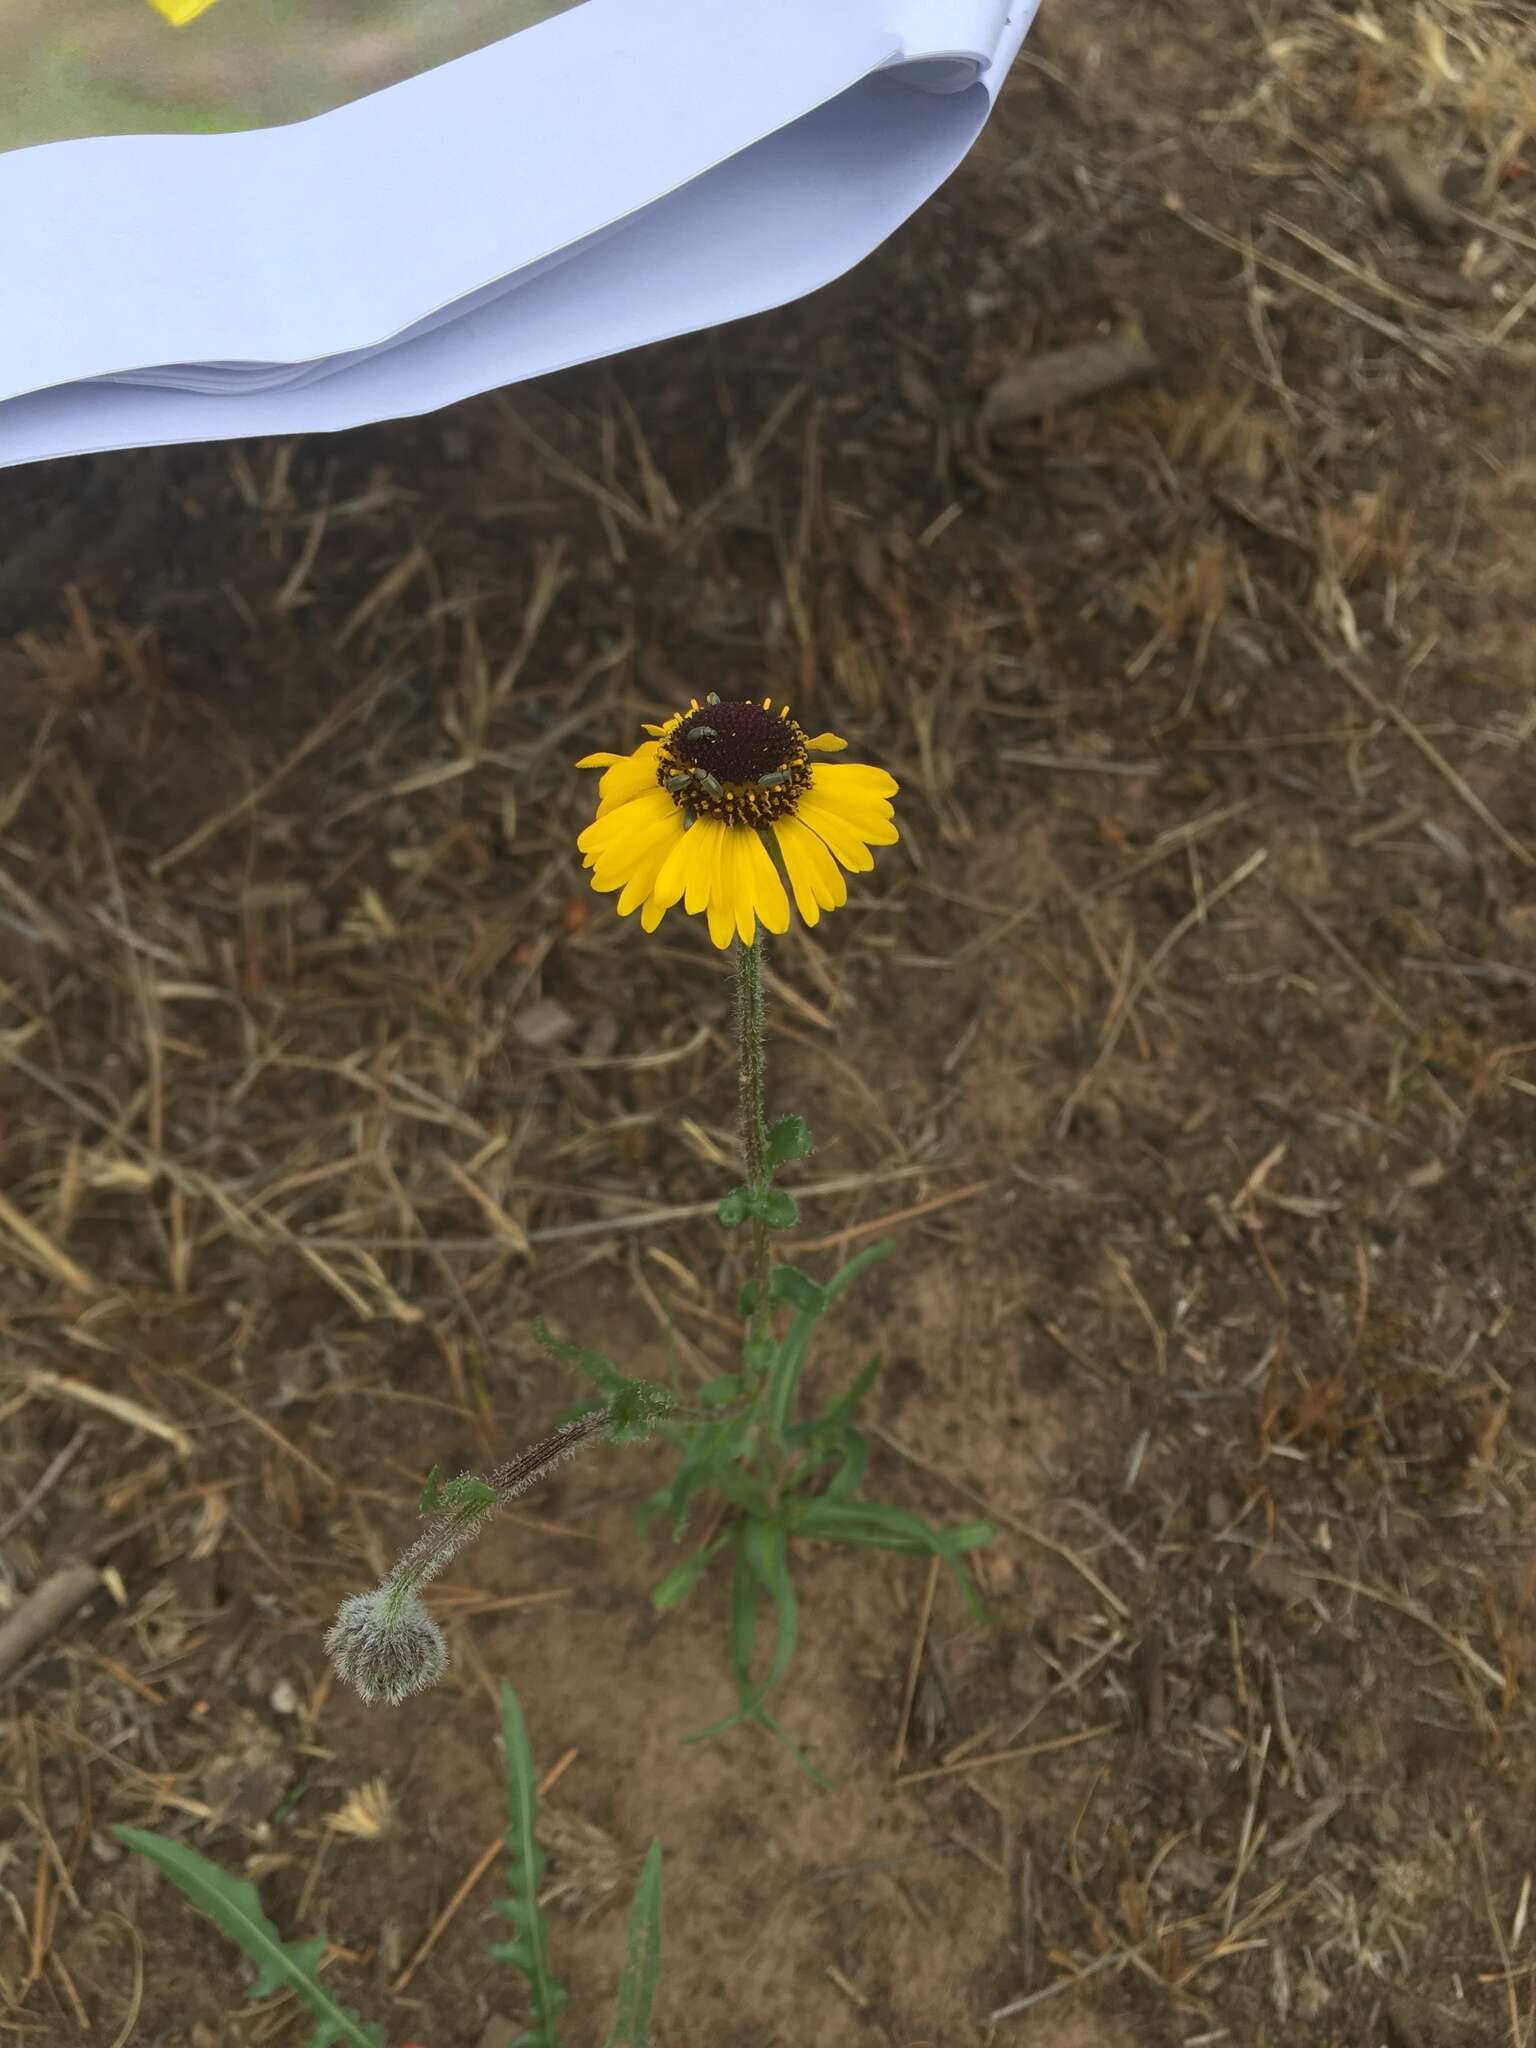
(734, 742)
(739, 762)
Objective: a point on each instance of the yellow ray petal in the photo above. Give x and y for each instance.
(826, 743)
(739, 854)
(852, 779)
(768, 897)
(626, 820)
(648, 867)
(875, 822)
(704, 866)
(813, 873)
(179, 12)
(673, 876)
(628, 777)
(722, 925)
(791, 839)
(842, 837)
(620, 858)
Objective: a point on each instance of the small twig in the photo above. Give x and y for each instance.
(481, 1865)
(1346, 959)
(1413, 1612)
(1517, 2034)
(1019, 1527)
(909, 1694)
(40, 1380)
(1115, 1957)
(45, 1251)
(56, 1470)
(1383, 707)
(1008, 1756)
(1324, 292)
(1185, 925)
(876, 1224)
(46, 1608)
(254, 797)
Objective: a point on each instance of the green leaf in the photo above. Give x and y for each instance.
(642, 1961)
(794, 1349)
(790, 1138)
(233, 1907)
(872, 1526)
(762, 1565)
(849, 1476)
(464, 1492)
(721, 1392)
(796, 1290)
(777, 1209)
(839, 1413)
(592, 1365)
(760, 1353)
(735, 1209)
(528, 1951)
(675, 1588)
(860, 1263)
(708, 1459)
(635, 1410)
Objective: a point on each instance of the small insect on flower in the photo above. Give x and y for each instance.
(720, 806)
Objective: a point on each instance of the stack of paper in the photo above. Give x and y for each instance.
(628, 170)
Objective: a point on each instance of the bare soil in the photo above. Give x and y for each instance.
(1184, 1046)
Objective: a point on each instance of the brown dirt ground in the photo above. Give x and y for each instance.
(1185, 1044)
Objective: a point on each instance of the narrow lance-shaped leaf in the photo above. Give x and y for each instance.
(642, 1961)
(233, 1907)
(528, 1951)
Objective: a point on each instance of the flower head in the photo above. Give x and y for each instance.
(386, 1645)
(722, 805)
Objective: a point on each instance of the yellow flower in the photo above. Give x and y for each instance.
(689, 817)
(179, 12)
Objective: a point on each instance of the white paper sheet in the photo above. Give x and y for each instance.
(628, 170)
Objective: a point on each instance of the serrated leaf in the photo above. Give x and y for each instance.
(232, 1905)
(635, 1410)
(790, 1138)
(529, 1951)
(642, 1960)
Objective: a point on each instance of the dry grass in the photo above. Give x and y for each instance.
(1186, 1046)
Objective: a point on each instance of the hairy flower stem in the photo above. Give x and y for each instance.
(448, 1533)
(385, 1643)
(754, 1122)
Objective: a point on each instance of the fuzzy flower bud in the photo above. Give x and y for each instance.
(386, 1645)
